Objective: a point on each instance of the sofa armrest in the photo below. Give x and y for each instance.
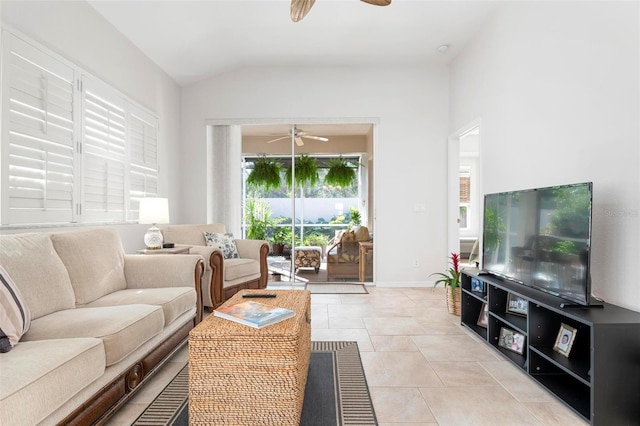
(170, 270)
(258, 250)
(250, 249)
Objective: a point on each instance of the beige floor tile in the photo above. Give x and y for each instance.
(554, 413)
(461, 373)
(454, 347)
(394, 327)
(393, 344)
(127, 414)
(407, 369)
(400, 405)
(345, 322)
(518, 384)
(470, 406)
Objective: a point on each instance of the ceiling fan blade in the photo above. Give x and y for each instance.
(378, 2)
(299, 141)
(278, 139)
(318, 138)
(300, 8)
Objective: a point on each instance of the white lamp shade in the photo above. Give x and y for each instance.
(153, 210)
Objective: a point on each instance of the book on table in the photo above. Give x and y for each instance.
(254, 314)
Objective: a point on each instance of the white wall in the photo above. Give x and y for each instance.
(410, 153)
(74, 30)
(556, 85)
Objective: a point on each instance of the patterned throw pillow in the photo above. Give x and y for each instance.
(223, 242)
(15, 317)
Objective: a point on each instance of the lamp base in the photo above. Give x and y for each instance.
(153, 238)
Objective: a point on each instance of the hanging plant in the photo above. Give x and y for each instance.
(306, 171)
(342, 173)
(266, 173)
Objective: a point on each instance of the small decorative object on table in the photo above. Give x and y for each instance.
(565, 339)
(517, 305)
(452, 280)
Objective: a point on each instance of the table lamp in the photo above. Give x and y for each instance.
(153, 211)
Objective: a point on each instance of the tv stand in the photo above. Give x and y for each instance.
(592, 304)
(598, 379)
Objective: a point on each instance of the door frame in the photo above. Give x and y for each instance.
(453, 182)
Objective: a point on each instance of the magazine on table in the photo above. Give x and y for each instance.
(254, 314)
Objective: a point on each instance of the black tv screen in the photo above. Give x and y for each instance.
(541, 238)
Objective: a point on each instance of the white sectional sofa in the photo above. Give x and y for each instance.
(102, 322)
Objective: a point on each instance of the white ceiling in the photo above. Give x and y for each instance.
(194, 40)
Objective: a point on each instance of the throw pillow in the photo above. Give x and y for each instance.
(223, 242)
(15, 317)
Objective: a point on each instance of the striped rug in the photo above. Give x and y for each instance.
(350, 403)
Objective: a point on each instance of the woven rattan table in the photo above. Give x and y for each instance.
(239, 375)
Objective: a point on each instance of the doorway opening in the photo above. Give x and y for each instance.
(307, 217)
(465, 194)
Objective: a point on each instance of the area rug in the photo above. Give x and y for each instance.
(336, 392)
(332, 288)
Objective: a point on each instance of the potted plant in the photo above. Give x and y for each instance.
(306, 171)
(279, 239)
(451, 279)
(265, 173)
(342, 173)
(257, 218)
(354, 218)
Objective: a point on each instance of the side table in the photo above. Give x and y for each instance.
(174, 250)
(365, 248)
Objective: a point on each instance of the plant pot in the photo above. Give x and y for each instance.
(278, 249)
(453, 306)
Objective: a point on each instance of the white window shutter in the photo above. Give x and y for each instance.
(38, 140)
(143, 158)
(103, 153)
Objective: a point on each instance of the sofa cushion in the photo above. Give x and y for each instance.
(122, 328)
(240, 268)
(38, 272)
(95, 261)
(174, 301)
(223, 242)
(34, 385)
(15, 317)
(190, 234)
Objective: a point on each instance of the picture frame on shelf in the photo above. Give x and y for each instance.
(511, 340)
(477, 286)
(483, 318)
(517, 305)
(565, 339)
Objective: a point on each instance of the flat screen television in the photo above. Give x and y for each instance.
(541, 238)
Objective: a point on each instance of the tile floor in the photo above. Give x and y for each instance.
(422, 367)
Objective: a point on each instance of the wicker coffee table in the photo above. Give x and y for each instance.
(239, 375)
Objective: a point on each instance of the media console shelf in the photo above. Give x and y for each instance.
(599, 380)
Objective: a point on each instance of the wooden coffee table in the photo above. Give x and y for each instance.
(239, 375)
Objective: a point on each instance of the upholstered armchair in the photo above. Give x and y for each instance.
(343, 255)
(223, 277)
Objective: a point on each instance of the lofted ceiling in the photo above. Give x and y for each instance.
(195, 40)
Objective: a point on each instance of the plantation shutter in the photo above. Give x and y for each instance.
(143, 159)
(38, 139)
(103, 153)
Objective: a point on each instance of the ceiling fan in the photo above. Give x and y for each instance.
(299, 8)
(299, 135)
